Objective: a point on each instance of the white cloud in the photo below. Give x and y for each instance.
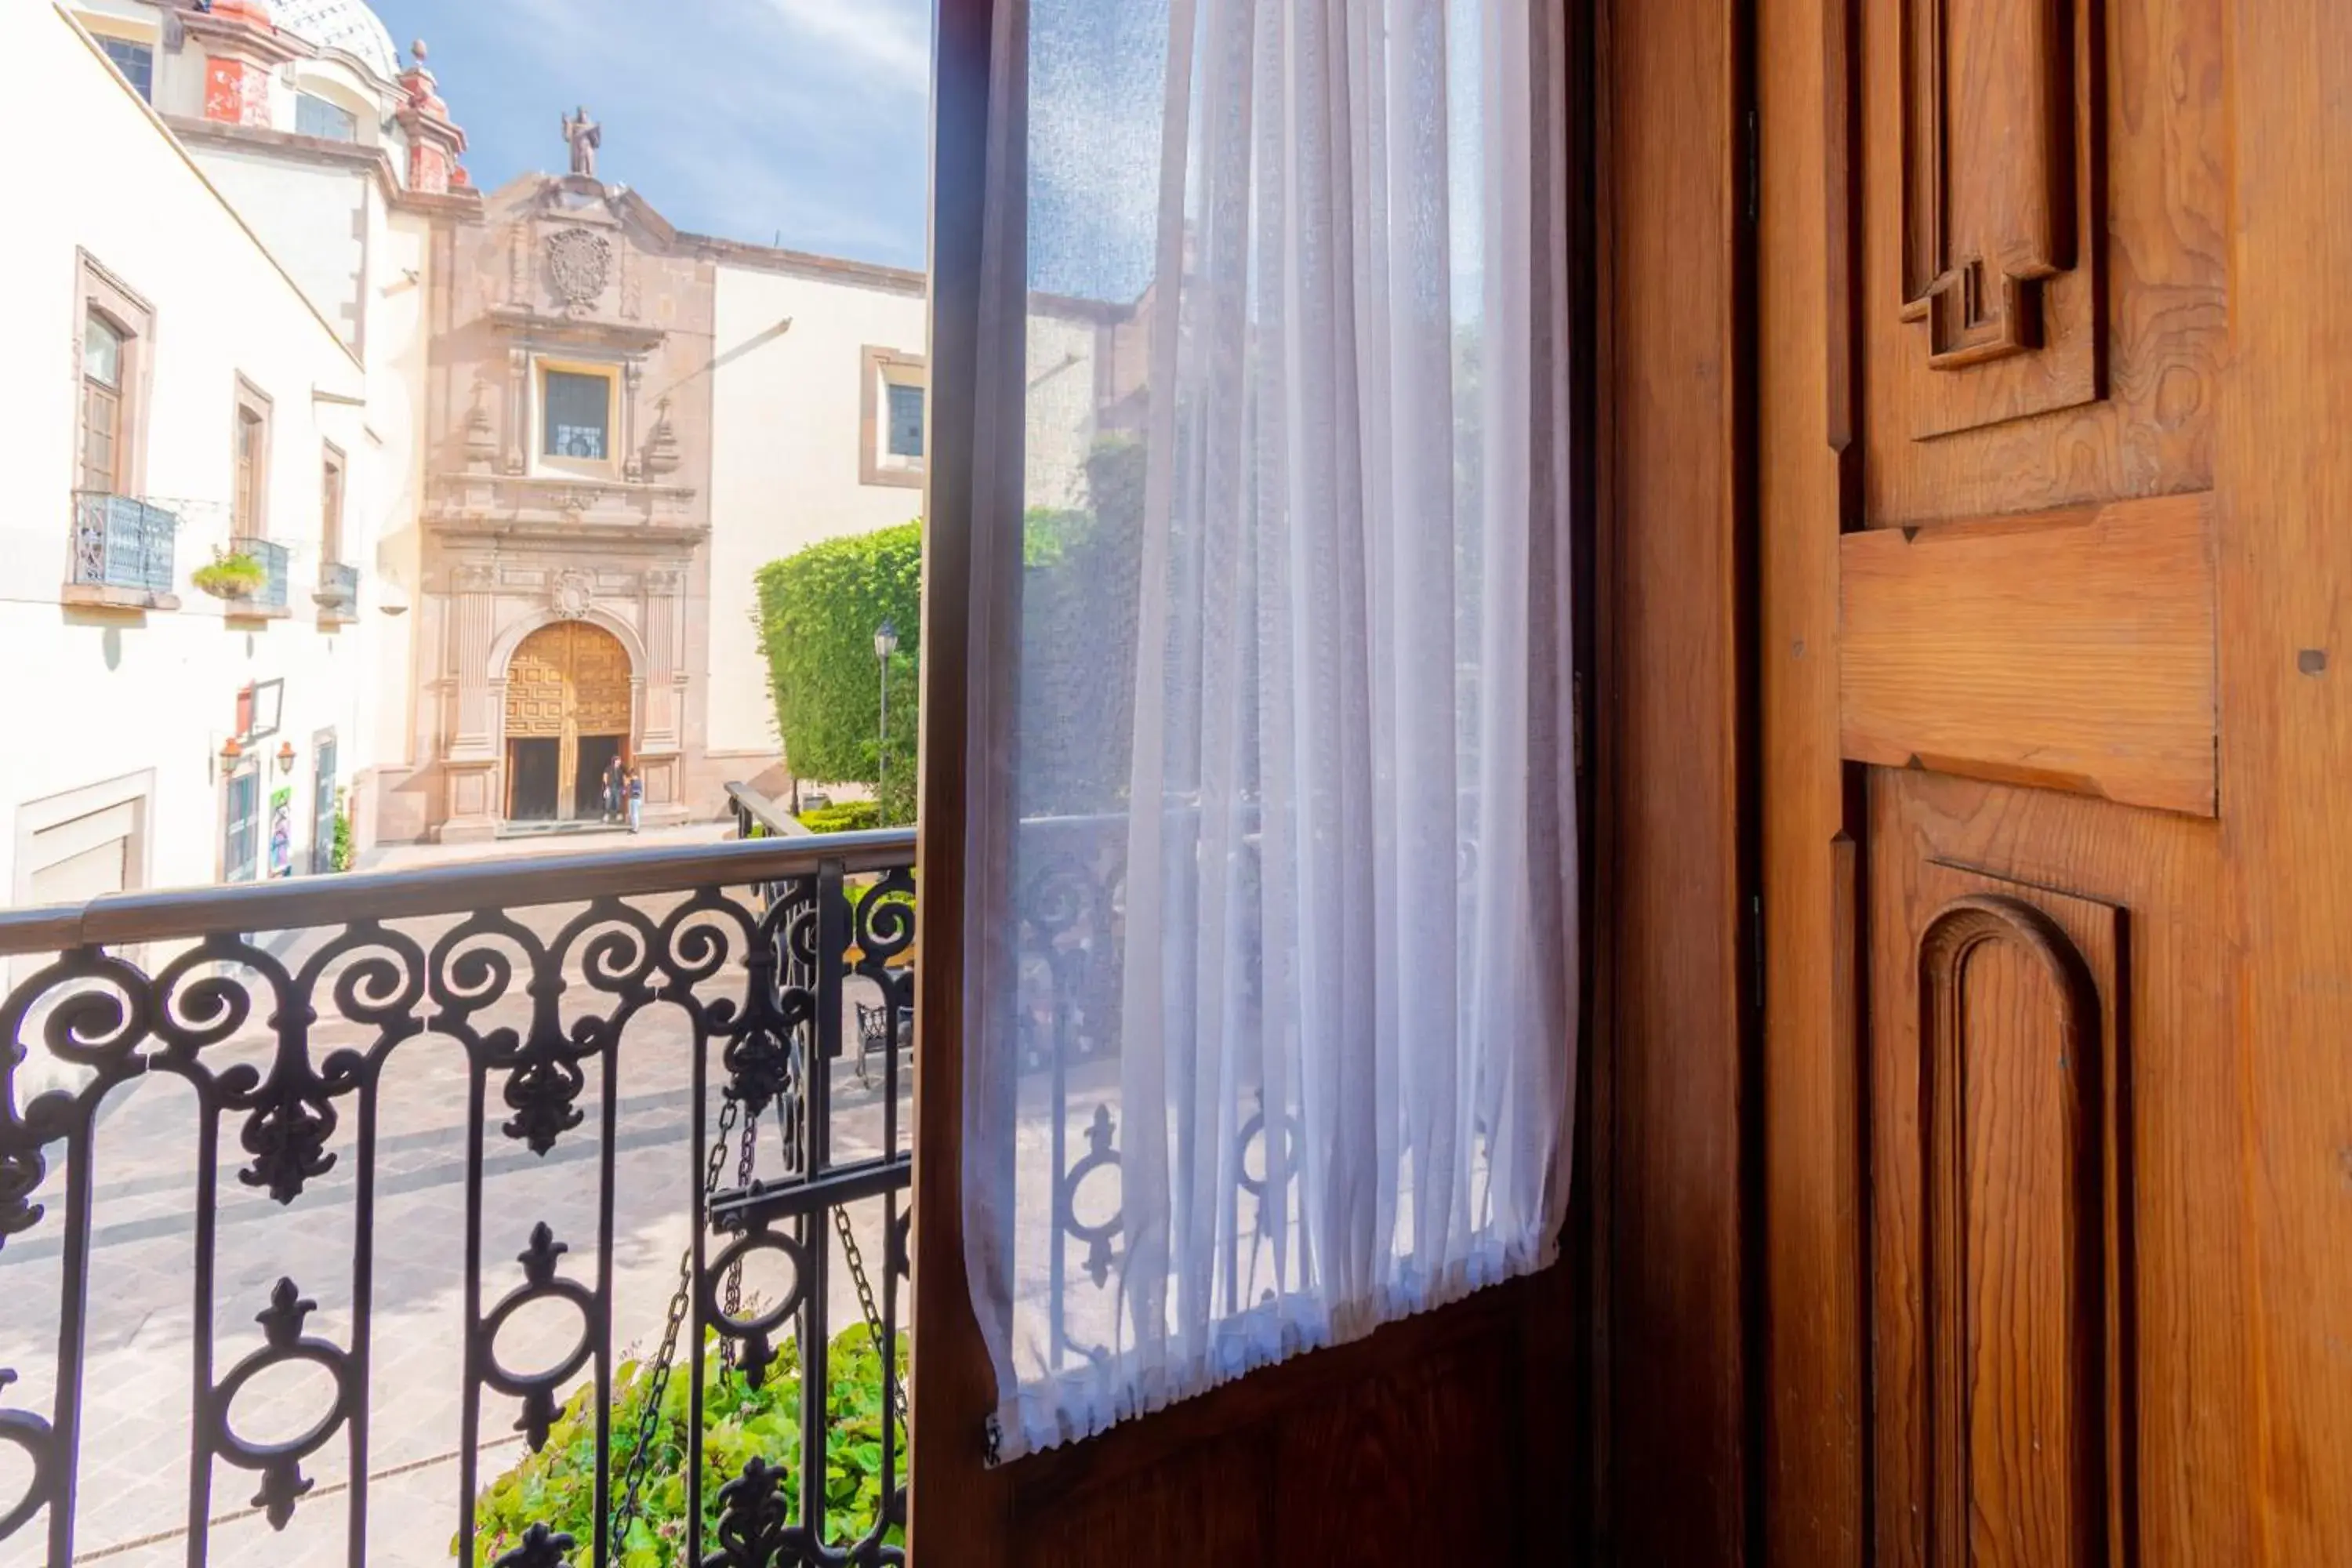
(891, 40)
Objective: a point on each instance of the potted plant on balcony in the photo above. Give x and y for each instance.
(230, 575)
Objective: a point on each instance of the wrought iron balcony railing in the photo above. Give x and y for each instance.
(273, 558)
(502, 1157)
(121, 542)
(553, 1178)
(338, 585)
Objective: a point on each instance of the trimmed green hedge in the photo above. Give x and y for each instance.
(819, 606)
(818, 609)
(849, 816)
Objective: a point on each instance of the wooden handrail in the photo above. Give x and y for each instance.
(117, 919)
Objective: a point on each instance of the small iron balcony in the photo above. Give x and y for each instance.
(121, 544)
(338, 586)
(272, 557)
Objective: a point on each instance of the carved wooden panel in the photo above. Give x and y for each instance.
(2070, 650)
(570, 677)
(1998, 266)
(535, 681)
(2001, 1239)
(600, 681)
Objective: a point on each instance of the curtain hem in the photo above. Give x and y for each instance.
(1074, 1406)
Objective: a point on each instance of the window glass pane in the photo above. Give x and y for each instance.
(246, 506)
(314, 116)
(135, 61)
(906, 420)
(101, 417)
(101, 351)
(578, 411)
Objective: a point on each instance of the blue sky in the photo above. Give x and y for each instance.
(800, 120)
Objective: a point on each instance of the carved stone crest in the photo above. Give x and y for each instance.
(571, 593)
(579, 262)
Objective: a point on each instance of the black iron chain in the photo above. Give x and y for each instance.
(633, 1480)
(873, 1314)
(727, 1348)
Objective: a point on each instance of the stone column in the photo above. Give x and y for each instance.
(660, 752)
(435, 144)
(632, 374)
(475, 768)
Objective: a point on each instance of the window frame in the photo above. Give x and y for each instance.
(304, 95)
(542, 460)
(95, 390)
(334, 499)
(108, 39)
(99, 291)
(879, 369)
(249, 514)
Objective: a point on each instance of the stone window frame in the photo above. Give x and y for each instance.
(539, 459)
(332, 458)
(250, 399)
(98, 288)
(880, 368)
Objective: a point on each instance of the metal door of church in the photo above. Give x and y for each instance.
(567, 682)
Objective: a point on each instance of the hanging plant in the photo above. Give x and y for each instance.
(230, 575)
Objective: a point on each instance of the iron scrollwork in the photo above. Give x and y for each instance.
(538, 1391)
(755, 968)
(280, 1464)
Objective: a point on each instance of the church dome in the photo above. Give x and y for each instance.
(346, 24)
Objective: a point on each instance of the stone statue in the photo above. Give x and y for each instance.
(584, 136)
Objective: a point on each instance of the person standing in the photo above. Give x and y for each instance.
(636, 788)
(614, 773)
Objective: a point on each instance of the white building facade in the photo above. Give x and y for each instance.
(208, 306)
(353, 490)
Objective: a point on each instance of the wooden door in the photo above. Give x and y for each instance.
(2054, 303)
(565, 681)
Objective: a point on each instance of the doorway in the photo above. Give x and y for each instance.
(567, 714)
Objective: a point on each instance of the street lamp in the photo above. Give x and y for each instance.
(886, 643)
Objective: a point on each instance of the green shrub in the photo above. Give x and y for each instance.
(849, 816)
(818, 609)
(819, 606)
(345, 849)
(557, 1486)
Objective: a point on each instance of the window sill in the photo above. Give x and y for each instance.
(233, 612)
(334, 617)
(102, 596)
(900, 479)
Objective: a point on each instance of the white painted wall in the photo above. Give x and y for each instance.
(785, 470)
(313, 217)
(100, 696)
(785, 456)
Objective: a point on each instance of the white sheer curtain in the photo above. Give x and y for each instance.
(1279, 1042)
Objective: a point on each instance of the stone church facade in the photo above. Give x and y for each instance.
(567, 482)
